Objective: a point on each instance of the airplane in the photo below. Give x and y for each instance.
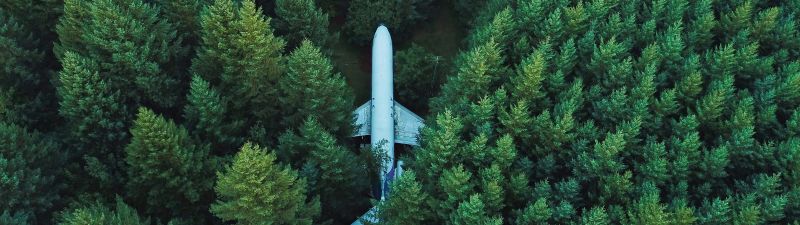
(384, 119)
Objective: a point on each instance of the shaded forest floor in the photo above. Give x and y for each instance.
(440, 34)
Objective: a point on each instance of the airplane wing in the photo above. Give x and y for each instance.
(363, 117)
(407, 123)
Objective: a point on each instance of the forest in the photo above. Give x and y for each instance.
(142, 112)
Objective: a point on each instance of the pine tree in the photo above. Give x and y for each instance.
(339, 175)
(595, 216)
(96, 119)
(166, 169)
(241, 57)
(254, 184)
(408, 203)
(441, 148)
(456, 185)
(529, 78)
(302, 19)
(648, 211)
(478, 70)
(129, 41)
(536, 213)
(310, 88)
(499, 30)
(207, 117)
(98, 214)
(31, 169)
(472, 212)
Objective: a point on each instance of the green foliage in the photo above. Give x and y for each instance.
(25, 94)
(472, 212)
(167, 171)
(254, 184)
(338, 174)
(98, 214)
(240, 56)
(30, 174)
(128, 40)
(407, 204)
(418, 76)
(363, 16)
(595, 216)
(302, 19)
(625, 106)
(477, 71)
(310, 88)
(15, 218)
(554, 112)
(207, 117)
(185, 15)
(96, 118)
(647, 210)
(536, 213)
(499, 29)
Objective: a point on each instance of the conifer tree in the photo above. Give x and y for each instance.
(302, 19)
(207, 117)
(167, 171)
(408, 203)
(310, 88)
(536, 213)
(95, 117)
(339, 176)
(31, 169)
(241, 57)
(498, 29)
(254, 183)
(477, 71)
(128, 40)
(472, 212)
(98, 214)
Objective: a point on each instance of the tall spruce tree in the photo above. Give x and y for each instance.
(310, 88)
(241, 57)
(167, 171)
(97, 122)
(208, 118)
(255, 189)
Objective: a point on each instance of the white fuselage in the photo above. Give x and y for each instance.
(382, 119)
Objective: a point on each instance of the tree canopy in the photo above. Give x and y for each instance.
(599, 112)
